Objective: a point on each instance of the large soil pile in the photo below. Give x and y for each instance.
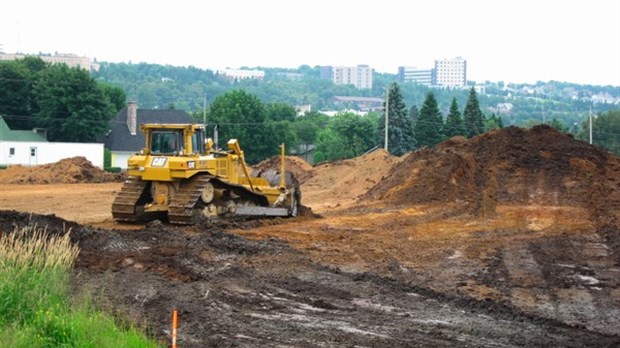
(511, 165)
(66, 171)
(333, 183)
(300, 169)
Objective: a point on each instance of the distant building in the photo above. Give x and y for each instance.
(239, 74)
(359, 76)
(502, 108)
(360, 103)
(451, 72)
(71, 60)
(423, 77)
(302, 109)
(326, 72)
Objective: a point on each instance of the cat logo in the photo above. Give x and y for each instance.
(159, 161)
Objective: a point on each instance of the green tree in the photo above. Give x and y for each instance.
(430, 123)
(15, 85)
(72, 106)
(347, 135)
(493, 122)
(115, 96)
(400, 130)
(559, 125)
(305, 132)
(473, 116)
(242, 116)
(17, 103)
(605, 130)
(330, 146)
(280, 112)
(454, 121)
(307, 128)
(358, 131)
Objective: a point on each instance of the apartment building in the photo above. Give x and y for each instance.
(451, 72)
(360, 76)
(71, 60)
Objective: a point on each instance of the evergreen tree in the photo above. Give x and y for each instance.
(400, 129)
(414, 113)
(428, 128)
(454, 121)
(472, 116)
(493, 122)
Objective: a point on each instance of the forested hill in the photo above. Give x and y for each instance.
(164, 86)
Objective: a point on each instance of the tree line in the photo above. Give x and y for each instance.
(262, 127)
(75, 107)
(69, 103)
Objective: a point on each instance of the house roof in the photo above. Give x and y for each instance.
(6, 134)
(120, 139)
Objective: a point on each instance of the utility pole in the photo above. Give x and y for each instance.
(590, 125)
(204, 111)
(387, 110)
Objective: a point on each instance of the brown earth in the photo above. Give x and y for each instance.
(69, 170)
(508, 239)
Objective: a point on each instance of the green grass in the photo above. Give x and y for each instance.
(35, 306)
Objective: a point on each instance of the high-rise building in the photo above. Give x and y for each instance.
(412, 74)
(360, 76)
(451, 72)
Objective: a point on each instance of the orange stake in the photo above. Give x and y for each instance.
(175, 317)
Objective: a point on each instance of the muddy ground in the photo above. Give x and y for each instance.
(514, 247)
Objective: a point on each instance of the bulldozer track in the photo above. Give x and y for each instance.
(126, 202)
(182, 208)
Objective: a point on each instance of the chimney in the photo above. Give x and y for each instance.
(132, 117)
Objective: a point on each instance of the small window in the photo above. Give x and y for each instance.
(11, 151)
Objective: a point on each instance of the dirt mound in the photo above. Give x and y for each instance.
(511, 165)
(336, 182)
(66, 171)
(300, 169)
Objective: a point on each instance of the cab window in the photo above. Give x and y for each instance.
(165, 142)
(198, 142)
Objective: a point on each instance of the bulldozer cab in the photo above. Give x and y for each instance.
(175, 140)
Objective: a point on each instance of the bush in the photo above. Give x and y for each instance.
(107, 158)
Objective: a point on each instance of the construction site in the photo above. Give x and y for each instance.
(507, 239)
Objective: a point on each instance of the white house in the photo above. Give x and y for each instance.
(30, 147)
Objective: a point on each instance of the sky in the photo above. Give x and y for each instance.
(519, 41)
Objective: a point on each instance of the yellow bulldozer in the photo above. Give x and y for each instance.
(181, 176)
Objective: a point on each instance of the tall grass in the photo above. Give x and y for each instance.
(35, 305)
